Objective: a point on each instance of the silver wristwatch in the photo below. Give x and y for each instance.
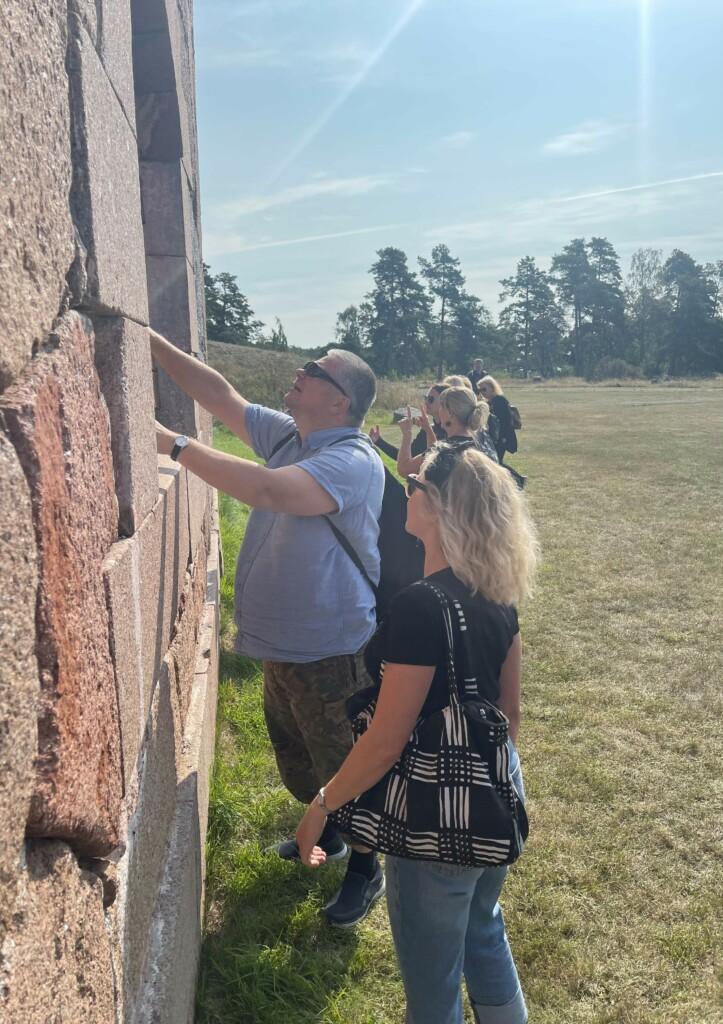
(179, 444)
(321, 800)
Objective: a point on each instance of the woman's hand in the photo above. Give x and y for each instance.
(307, 835)
(375, 433)
(406, 425)
(165, 439)
(423, 420)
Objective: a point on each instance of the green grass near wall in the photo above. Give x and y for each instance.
(614, 911)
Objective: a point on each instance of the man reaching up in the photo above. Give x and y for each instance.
(302, 605)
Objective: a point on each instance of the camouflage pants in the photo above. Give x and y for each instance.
(305, 711)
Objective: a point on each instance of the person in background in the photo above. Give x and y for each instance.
(506, 440)
(476, 373)
(480, 550)
(462, 418)
(458, 380)
(429, 432)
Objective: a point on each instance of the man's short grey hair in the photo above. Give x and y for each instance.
(358, 380)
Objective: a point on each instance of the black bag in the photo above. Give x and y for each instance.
(450, 796)
(401, 556)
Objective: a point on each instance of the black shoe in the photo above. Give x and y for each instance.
(355, 899)
(289, 850)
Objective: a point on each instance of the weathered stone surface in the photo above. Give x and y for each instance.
(165, 553)
(56, 963)
(58, 422)
(168, 208)
(167, 991)
(19, 684)
(149, 830)
(200, 728)
(159, 127)
(172, 300)
(122, 579)
(36, 230)
(161, 924)
(199, 503)
(123, 360)
(115, 49)
(105, 198)
(183, 647)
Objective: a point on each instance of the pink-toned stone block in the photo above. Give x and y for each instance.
(57, 960)
(105, 198)
(148, 830)
(122, 579)
(36, 229)
(190, 613)
(123, 361)
(164, 558)
(58, 422)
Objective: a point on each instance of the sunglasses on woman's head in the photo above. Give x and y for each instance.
(415, 484)
(312, 369)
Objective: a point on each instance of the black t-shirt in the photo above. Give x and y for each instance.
(413, 633)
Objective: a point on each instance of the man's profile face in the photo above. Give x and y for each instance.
(312, 393)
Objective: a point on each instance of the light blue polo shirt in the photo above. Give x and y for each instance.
(299, 596)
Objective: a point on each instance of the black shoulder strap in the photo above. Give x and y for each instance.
(335, 529)
(353, 555)
(280, 444)
(340, 536)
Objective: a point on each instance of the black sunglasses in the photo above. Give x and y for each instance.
(312, 369)
(415, 484)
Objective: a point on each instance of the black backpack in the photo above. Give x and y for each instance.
(401, 556)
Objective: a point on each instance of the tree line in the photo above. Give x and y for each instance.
(578, 317)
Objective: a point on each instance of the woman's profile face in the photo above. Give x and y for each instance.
(431, 401)
(485, 392)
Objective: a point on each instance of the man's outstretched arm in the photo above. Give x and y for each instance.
(287, 489)
(202, 383)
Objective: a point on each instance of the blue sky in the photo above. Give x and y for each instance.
(503, 128)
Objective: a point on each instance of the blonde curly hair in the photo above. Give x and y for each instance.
(486, 532)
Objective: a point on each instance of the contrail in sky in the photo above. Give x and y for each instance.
(317, 238)
(313, 130)
(635, 188)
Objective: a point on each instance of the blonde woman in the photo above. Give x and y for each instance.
(461, 417)
(480, 551)
(506, 440)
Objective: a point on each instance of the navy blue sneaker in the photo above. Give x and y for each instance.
(334, 850)
(355, 899)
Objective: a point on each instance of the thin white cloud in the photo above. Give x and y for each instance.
(319, 186)
(231, 245)
(457, 140)
(637, 188)
(525, 222)
(588, 137)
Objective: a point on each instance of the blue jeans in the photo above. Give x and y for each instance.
(446, 922)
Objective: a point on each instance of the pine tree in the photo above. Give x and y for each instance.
(348, 330)
(532, 318)
(445, 283)
(394, 315)
(229, 316)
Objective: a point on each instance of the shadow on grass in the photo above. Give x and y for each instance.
(267, 954)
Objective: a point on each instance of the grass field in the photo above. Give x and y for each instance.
(614, 911)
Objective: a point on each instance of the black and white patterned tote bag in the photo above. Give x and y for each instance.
(449, 797)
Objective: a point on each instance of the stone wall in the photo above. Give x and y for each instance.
(108, 553)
